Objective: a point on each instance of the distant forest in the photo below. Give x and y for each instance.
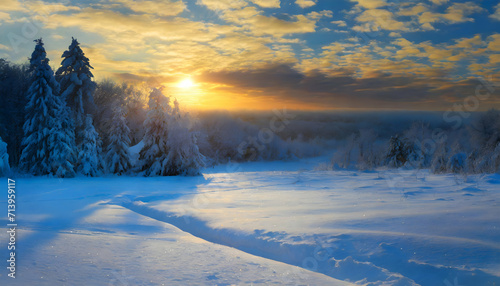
(64, 123)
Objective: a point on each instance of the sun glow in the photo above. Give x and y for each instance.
(186, 83)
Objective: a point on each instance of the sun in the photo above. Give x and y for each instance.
(186, 83)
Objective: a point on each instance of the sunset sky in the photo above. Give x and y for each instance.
(264, 54)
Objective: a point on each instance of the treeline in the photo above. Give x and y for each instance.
(473, 148)
(64, 123)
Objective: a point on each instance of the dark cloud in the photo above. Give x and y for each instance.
(344, 89)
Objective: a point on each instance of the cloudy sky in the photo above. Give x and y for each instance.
(263, 54)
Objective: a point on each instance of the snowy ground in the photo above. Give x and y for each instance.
(375, 228)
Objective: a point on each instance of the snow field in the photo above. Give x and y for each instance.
(388, 227)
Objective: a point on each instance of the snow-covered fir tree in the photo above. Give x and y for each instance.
(77, 86)
(48, 143)
(37, 57)
(415, 140)
(117, 155)
(170, 146)
(184, 157)
(4, 159)
(397, 153)
(89, 162)
(62, 138)
(457, 163)
(153, 155)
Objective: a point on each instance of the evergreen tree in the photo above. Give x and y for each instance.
(4, 159)
(397, 154)
(117, 155)
(457, 163)
(37, 57)
(48, 144)
(415, 139)
(153, 155)
(77, 86)
(485, 131)
(89, 163)
(184, 157)
(62, 137)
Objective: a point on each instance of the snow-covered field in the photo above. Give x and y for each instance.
(280, 223)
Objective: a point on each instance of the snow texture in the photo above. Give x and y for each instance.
(283, 222)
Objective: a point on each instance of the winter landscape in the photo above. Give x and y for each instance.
(250, 142)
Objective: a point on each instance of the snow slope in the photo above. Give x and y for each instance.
(371, 228)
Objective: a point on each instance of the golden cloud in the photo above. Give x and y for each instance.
(494, 43)
(457, 13)
(252, 20)
(339, 23)
(267, 3)
(379, 19)
(468, 43)
(439, 2)
(370, 4)
(305, 3)
(220, 5)
(120, 27)
(12, 5)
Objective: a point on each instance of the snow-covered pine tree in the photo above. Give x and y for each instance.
(457, 163)
(184, 157)
(37, 57)
(62, 139)
(89, 162)
(397, 153)
(4, 159)
(485, 131)
(414, 139)
(77, 86)
(48, 143)
(153, 155)
(117, 155)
